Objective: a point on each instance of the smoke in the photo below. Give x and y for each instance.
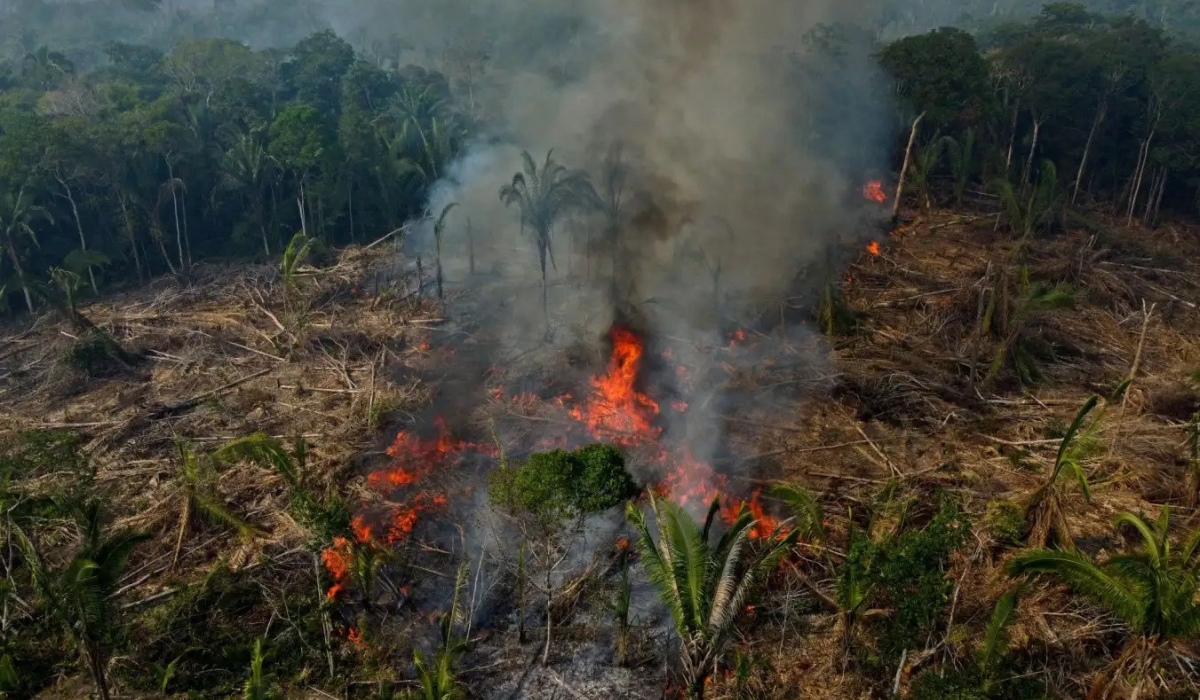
(725, 197)
(737, 145)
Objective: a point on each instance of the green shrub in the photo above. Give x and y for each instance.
(909, 576)
(1004, 520)
(96, 354)
(969, 683)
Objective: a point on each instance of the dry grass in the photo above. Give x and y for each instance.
(224, 343)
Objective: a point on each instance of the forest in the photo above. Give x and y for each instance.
(281, 420)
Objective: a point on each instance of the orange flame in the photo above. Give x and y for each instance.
(873, 191)
(337, 560)
(873, 248)
(616, 409)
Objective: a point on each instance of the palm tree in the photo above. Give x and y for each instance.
(200, 498)
(922, 167)
(1009, 315)
(17, 215)
(1044, 516)
(705, 586)
(1155, 591)
(611, 203)
(81, 592)
(1036, 211)
(543, 196)
(247, 165)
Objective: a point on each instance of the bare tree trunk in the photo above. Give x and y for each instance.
(1157, 185)
(261, 215)
(912, 137)
(16, 262)
(1012, 137)
(175, 209)
(1087, 148)
(1138, 173)
(187, 240)
(350, 206)
(137, 260)
(1037, 127)
(78, 227)
(303, 218)
(549, 601)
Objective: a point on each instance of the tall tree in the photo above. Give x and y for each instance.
(543, 196)
(17, 216)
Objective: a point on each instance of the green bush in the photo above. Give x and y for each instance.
(909, 576)
(1004, 521)
(96, 354)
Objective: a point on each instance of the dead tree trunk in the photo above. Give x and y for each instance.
(1136, 183)
(1012, 137)
(70, 196)
(912, 137)
(1037, 127)
(1087, 147)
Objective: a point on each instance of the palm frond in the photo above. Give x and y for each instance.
(995, 638)
(1081, 573)
(262, 450)
(809, 519)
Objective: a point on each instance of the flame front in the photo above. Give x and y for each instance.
(873, 248)
(873, 191)
(617, 410)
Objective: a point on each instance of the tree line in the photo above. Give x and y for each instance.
(1101, 111)
(154, 160)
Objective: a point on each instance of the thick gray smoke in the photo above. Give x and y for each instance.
(725, 195)
(738, 158)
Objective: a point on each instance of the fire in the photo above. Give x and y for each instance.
(337, 560)
(873, 248)
(737, 338)
(691, 481)
(764, 524)
(873, 191)
(354, 637)
(616, 409)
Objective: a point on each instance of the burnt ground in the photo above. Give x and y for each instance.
(898, 397)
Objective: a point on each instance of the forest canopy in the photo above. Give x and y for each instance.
(147, 158)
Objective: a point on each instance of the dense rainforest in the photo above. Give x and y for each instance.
(249, 452)
(153, 160)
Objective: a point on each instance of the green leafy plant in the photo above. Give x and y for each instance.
(1035, 211)
(201, 499)
(1154, 590)
(705, 584)
(323, 518)
(436, 674)
(1045, 519)
(256, 686)
(1009, 317)
(550, 495)
(962, 161)
(79, 595)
